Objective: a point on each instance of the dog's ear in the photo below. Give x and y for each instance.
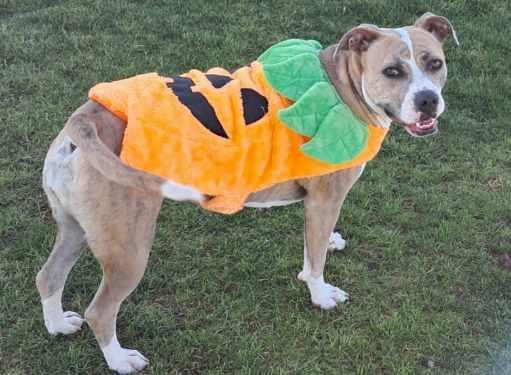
(359, 38)
(439, 26)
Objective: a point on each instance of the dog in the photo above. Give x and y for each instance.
(383, 75)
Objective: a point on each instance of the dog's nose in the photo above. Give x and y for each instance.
(426, 101)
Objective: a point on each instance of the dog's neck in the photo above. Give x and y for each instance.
(345, 72)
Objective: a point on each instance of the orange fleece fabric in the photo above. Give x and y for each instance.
(164, 138)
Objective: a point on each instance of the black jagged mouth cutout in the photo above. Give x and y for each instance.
(197, 104)
(255, 105)
(218, 81)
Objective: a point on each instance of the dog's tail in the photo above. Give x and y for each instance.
(83, 133)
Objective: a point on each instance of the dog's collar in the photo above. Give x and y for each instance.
(294, 69)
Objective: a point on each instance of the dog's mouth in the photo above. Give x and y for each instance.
(425, 127)
(422, 128)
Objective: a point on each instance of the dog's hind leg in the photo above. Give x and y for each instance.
(121, 275)
(52, 276)
(120, 278)
(122, 247)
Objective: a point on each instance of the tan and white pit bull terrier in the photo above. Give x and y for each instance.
(384, 75)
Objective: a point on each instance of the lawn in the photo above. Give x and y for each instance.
(220, 294)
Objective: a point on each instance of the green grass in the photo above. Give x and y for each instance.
(220, 293)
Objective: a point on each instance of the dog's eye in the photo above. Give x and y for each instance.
(393, 72)
(435, 65)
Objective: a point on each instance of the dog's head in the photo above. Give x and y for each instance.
(403, 71)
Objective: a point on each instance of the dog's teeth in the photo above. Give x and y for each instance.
(425, 124)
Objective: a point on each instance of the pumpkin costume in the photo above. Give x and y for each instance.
(229, 134)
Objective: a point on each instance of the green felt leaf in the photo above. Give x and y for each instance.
(291, 67)
(340, 137)
(310, 110)
(294, 76)
(287, 49)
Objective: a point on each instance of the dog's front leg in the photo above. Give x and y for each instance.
(320, 219)
(323, 203)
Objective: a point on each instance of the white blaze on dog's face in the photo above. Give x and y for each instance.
(403, 71)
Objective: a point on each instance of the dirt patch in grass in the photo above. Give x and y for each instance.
(504, 259)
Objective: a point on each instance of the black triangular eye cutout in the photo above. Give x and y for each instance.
(255, 106)
(197, 104)
(218, 80)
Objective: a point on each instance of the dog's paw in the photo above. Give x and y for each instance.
(67, 323)
(336, 242)
(123, 361)
(128, 361)
(329, 297)
(325, 296)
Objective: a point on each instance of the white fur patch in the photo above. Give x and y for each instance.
(124, 361)
(420, 81)
(306, 269)
(323, 295)
(336, 242)
(180, 192)
(57, 172)
(56, 320)
(361, 170)
(270, 204)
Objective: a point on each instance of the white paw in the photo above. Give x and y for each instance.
(123, 361)
(336, 242)
(323, 295)
(128, 361)
(69, 322)
(328, 296)
(302, 276)
(56, 320)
